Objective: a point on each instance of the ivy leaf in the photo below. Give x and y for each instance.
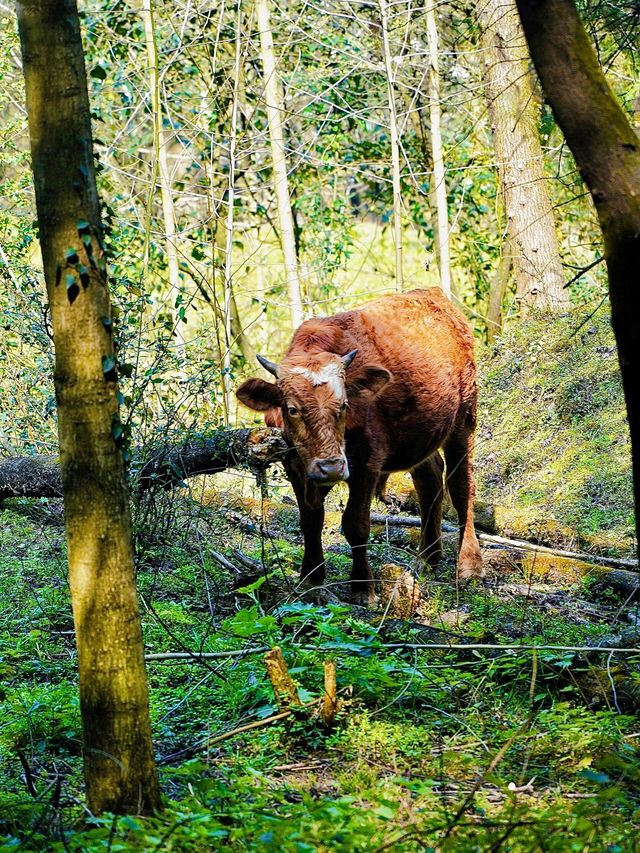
(98, 73)
(109, 367)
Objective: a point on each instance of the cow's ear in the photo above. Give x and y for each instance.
(259, 395)
(370, 379)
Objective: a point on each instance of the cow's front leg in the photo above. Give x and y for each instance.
(310, 500)
(356, 522)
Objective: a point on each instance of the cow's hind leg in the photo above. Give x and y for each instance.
(458, 454)
(428, 479)
(356, 523)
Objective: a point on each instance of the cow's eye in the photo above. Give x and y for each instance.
(292, 412)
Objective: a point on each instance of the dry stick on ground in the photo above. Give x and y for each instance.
(518, 544)
(209, 742)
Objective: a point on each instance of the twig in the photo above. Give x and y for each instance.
(28, 776)
(492, 766)
(195, 656)
(506, 647)
(613, 686)
(534, 675)
(257, 724)
(225, 562)
(583, 271)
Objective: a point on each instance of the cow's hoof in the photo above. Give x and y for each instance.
(319, 595)
(469, 574)
(364, 596)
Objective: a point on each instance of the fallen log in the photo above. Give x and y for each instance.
(166, 467)
(514, 544)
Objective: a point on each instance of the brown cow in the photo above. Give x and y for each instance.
(378, 389)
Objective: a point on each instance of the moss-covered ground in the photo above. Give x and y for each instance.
(487, 746)
(553, 452)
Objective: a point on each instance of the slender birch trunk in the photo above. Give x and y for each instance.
(497, 291)
(441, 231)
(514, 124)
(161, 174)
(395, 143)
(231, 189)
(118, 754)
(274, 104)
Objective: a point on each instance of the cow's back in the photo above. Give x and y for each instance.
(427, 345)
(419, 334)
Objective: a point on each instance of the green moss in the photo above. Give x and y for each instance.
(553, 438)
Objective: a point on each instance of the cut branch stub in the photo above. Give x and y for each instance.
(284, 686)
(330, 703)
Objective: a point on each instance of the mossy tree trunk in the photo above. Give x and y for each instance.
(514, 125)
(607, 152)
(118, 756)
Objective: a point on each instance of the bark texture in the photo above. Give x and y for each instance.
(118, 754)
(514, 123)
(607, 152)
(39, 476)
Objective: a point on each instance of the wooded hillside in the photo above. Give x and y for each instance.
(181, 185)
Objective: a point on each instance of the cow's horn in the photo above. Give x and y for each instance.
(269, 366)
(348, 358)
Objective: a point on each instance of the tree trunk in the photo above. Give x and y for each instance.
(439, 182)
(607, 152)
(118, 754)
(514, 124)
(160, 172)
(497, 291)
(229, 301)
(274, 105)
(395, 144)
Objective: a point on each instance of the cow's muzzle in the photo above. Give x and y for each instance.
(329, 470)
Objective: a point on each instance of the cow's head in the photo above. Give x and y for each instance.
(312, 393)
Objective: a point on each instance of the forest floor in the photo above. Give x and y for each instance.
(484, 746)
(453, 733)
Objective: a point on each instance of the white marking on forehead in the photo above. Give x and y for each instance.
(330, 374)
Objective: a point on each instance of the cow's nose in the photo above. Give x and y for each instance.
(329, 470)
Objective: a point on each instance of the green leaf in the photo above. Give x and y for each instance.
(252, 587)
(108, 363)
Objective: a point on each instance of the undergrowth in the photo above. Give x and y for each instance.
(455, 750)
